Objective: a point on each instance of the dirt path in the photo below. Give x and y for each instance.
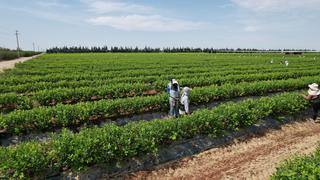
(11, 63)
(255, 158)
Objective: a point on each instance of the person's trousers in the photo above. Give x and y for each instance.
(174, 107)
(315, 107)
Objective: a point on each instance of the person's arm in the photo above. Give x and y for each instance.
(186, 105)
(307, 97)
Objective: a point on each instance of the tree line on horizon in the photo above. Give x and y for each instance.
(115, 49)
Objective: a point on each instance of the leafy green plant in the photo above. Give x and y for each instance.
(300, 167)
(113, 143)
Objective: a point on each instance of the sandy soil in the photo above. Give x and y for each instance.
(256, 158)
(11, 63)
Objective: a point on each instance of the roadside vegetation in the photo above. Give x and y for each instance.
(7, 54)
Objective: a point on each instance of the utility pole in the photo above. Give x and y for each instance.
(18, 48)
(33, 47)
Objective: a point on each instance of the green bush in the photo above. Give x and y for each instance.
(67, 115)
(11, 54)
(7, 55)
(300, 167)
(113, 143)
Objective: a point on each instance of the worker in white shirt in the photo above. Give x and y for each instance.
(174, 90)
(185, 100)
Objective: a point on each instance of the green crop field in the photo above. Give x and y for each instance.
(76, 90)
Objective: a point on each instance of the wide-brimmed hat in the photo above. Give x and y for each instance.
(313, 89)
(174, 81)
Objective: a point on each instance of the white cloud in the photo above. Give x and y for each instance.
(110, 6)
(43, 14)
(277, 5)
(52, 4)
(226, 5)
(251, 28)
(145, 23)
(130, 16)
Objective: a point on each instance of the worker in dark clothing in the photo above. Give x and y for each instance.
(314, 97)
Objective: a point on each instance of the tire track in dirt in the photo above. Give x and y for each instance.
(255, 158)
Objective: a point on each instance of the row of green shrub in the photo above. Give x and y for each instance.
(50, 97)
(41, 83)
(113, 143)
(300, 167)
(15, 78)
(12, 101)
(21, 84)
(66, 115)
(113, 70)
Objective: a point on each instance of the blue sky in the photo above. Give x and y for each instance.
(161, 23)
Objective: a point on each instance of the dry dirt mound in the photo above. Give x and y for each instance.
(256, 158)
